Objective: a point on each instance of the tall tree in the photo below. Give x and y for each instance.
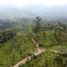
(37, 26)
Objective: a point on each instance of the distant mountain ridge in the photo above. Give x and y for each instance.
(15, 13)
(31, 11)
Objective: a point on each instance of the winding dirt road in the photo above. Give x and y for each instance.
(37, 52)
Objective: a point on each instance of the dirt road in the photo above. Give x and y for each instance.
(37, 52)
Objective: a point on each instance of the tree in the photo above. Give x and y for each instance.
(37, 27)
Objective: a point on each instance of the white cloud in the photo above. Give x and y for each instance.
(20, 3)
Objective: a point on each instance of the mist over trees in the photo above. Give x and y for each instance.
(17, 35)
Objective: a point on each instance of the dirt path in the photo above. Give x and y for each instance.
(37, 52)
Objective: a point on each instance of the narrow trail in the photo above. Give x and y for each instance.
(37, 52)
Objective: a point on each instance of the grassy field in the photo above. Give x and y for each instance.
(18, 48)
(42, 60)
(15, 49)
(47, 58)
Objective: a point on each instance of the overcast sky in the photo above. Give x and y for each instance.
(20, 3)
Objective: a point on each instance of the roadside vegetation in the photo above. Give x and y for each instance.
(16, 43)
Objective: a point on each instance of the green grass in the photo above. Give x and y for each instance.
(40, 61)
(49, 39)
(50, 43)
(22, 43)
